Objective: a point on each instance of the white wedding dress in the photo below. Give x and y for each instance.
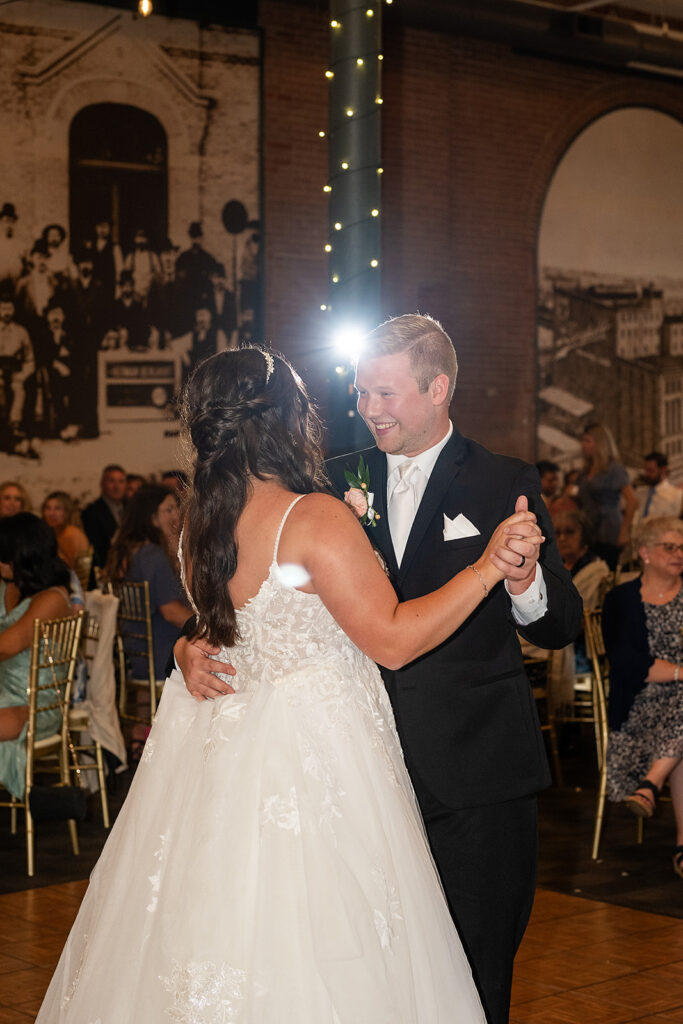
(270, 864)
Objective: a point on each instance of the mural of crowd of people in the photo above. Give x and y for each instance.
(60, 305)
(129, 230)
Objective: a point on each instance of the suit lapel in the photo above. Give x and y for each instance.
(380, 534)
(445, 470)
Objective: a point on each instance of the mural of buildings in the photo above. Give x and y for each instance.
(610, 296)
(129, 229)
(612, 355)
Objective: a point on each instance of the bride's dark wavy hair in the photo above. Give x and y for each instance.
(242, 421)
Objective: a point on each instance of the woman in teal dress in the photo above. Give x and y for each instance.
(34, 584)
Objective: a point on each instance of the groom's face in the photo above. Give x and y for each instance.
(402, 419)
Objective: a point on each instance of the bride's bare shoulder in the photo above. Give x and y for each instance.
(323, 514)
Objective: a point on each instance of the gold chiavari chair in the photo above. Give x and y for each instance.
(54, 653)
(83, 567)
(134, 640)
(79, 723)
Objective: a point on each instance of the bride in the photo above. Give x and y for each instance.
(270, 865)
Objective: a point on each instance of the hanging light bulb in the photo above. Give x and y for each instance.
(145, 8)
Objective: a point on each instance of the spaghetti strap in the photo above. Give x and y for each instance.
(282, 523)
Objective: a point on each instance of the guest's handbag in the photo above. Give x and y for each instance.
(57, 803)
(60, 802)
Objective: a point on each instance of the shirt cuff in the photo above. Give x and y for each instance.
(533, 603)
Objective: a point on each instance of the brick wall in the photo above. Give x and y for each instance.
(472, 134)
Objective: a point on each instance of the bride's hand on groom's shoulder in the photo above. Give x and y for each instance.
(196, 660)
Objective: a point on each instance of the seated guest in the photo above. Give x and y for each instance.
(588, 572)
(102, 517)
(657, 496)
(642, 622)
(549, 473)
(34, 584)
(13, 499)
(145, 548)
(568, 496)
(60, 513)
(175, 480)
(133, 484)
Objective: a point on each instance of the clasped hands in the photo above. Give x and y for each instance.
(513, 550)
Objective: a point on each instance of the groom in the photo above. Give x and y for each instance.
(464, 712)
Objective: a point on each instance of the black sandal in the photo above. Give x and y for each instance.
(641, 804)
(678, 860)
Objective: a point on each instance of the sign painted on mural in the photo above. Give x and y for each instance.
(129, 231)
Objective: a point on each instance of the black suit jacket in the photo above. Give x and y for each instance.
(100, 526)
(465, 711)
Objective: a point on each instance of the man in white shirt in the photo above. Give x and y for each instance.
(657, 496)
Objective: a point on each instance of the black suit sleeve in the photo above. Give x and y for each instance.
(562, 621)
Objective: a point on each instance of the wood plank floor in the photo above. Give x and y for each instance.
(581, 962)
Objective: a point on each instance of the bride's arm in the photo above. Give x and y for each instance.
(326, 539)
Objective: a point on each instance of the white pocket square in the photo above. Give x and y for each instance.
(456, 529)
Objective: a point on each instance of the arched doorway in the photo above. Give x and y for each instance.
(610, 294)
(118, 171)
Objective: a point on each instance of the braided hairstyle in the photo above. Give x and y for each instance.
(246, 414)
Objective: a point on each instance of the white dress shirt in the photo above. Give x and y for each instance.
(526, 607)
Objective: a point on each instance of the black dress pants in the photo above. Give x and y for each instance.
(486, 858)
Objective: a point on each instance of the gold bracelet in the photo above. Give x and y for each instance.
(481, 579)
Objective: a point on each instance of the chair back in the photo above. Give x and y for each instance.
(595, 648)
(52, 669)
(83, 567)
(134, 635)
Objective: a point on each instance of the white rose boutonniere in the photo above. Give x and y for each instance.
(359, 497)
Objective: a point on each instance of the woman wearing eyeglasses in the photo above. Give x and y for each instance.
(642, 623)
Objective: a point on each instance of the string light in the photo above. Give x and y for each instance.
(145, 8)
(379, 100)
(370, 13)
(338, 226)
(327, 188)
(335, 24)
(323, 306)
(335, 279)
(374, 263)
(374, 213)
(329, 74)
(344, 166)
(360, 62)
(380, 56)
(321, 135)
(349, 112)
(380, 170)
(328, 247)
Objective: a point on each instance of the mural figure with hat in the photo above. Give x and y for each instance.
(194, 266)
(220, 302)
(165, 306)
(11, 253)
(85, 309)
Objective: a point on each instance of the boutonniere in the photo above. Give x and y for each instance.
(359, 497)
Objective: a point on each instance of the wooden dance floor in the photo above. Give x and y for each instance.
(582, 962)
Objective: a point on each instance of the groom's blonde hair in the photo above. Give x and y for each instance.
(429, 348)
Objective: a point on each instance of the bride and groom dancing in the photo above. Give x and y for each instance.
(270, 863)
